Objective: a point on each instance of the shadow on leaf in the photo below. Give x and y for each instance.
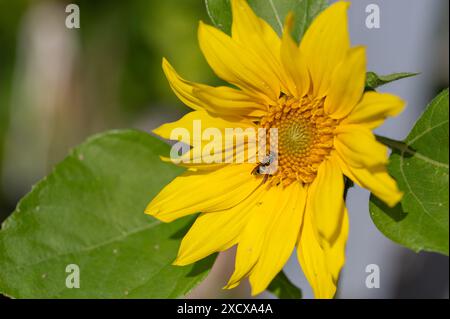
(396, 212)
(179, 234)
(202, 265)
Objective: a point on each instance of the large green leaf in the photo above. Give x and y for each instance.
(273, 11)
(420, 165)
(283, 288)
(90, 212)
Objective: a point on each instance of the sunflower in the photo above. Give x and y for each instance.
(313, 94)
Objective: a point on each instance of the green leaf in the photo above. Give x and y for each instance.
(420, 166)
(273, 11)
(374, 80)
(283, 288)
(90, 212)
(219, 12)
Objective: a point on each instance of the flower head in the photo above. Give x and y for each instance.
(313, 94)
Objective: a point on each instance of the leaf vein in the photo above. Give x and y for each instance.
(93, 247)
(277, 15)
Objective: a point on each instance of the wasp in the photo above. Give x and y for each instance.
(260, 169)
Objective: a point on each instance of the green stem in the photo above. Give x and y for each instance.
(348, 183)
(394, 144)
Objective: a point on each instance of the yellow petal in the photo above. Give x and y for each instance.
(190, 123)
(325, 45)
(204, 191)
(251, 240)
(326, 196)
(257, 36)
(294, 63)
(374, 108)
(229, 142)
(216, 100)
(376, 180)
(282, 234)
(336, 253)
(253, 32)
(237, 65)
(358, 146)
(213, 232)
(347, 84)
(321, 266)
(187, 161)
(313, 261)
(237, 154)
(204, 160)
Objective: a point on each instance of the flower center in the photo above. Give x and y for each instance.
(305, 138)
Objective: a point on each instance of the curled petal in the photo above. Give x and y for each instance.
(374, 108)
(215, 100)
(358, 146)
(376, 180)
(321, 265)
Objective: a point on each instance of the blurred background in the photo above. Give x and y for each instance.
(59, 85)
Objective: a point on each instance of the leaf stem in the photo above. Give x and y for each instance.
(394, 144)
